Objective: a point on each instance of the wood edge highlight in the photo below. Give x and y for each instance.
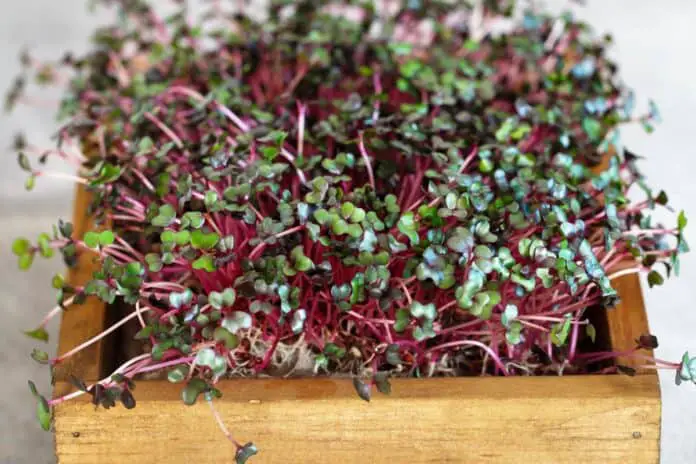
(321, 389)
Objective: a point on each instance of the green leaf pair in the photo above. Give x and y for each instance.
(181, 238)
(560, 331)
(209, 358)
(301, 262)
(687, 369)
(166, 215)
(107, 174)
(204, 263)
(237, 321)
(97, 239)
(483, 304)
(226, 298)
(22, 248)
(408, 226)
(424, 313)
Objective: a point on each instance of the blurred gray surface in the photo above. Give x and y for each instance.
(654, 47)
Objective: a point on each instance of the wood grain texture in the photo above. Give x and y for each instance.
(587, 419)
(81, 322)
(628, 320)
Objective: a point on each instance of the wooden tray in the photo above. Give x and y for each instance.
(578, 419)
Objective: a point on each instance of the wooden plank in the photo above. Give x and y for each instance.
(588, 419)
(628, 320)
(81, 322)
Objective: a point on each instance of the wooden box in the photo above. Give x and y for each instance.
(578, 419)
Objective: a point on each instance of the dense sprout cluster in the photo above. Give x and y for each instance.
(351, 189)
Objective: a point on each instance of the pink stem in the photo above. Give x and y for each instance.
(302, 110)
(484, 347)
(222, 426)
(377, 321)
(163, 365)
(57, 310)
(61, 175)
(143, 179)
(164, 128)
(368, 164)
(96, 338)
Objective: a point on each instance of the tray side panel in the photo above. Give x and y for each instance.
(589, 419)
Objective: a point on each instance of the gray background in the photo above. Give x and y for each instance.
(654, 46)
